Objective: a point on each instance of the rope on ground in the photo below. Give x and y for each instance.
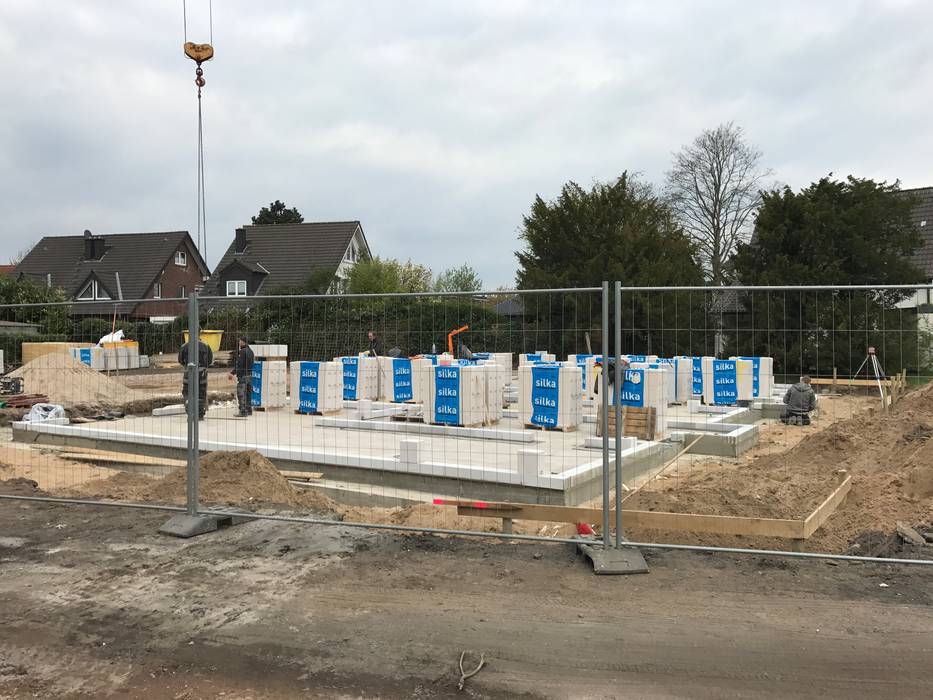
(464, 675)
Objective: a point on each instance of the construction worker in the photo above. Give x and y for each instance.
(243, 371)
(799, 400)
(205, 358)
(376, 348)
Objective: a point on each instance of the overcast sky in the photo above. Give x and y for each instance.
(434, 123)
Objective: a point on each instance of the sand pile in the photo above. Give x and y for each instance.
(429, 515)
(68, 382)
(228, 478)
(889, 455)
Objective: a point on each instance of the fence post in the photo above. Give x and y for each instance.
(194, 399)
(604, 392)
(617, 405)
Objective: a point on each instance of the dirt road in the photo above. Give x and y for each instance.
(93, 603)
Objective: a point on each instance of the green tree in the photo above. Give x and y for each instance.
(618, 230)
(414, 277)
(834, 232)
(458, 279)
(277, 213)
(852, 231)
(375, 276)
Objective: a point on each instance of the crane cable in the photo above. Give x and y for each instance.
(200, 53)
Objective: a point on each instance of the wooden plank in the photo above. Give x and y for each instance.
(816, 519)
(822, 381)
(648, 520)
(301, 475)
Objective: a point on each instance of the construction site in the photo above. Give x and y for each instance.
(581, 351)
(692, 471)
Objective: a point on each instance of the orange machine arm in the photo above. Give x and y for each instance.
(450, 338)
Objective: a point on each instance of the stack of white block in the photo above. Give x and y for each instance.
(530, 358)
(420, 384)
(683, 373)
(360, 377)
(470, 395)
(316, 387)
(117, 358)
(261, 350)
(652, 393)
(569, 391)
(742, 380)
(589, 375)
(270, 383)
(388, 381)
(497, 376)
(765, 375)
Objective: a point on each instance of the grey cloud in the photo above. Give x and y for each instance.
(435, 123)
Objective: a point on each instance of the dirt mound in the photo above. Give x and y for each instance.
(229, 478)
(68, 382)
(889, 455)
(429, 515)
(20, 487)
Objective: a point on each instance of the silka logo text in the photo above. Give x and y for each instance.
(544, 383)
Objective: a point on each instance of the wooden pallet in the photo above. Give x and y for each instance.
(407, 418)
(332, 412)
(23, 400)
(269, 408)
(556, 428)
(637, 422)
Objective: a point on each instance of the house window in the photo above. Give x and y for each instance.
(157, 290)
(236, 288)
(181, 258)
(182, 292)
(93, 290)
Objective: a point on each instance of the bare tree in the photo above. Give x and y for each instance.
(713, 188)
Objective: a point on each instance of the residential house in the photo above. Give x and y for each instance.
(114, 267)
(922, 216)
(267, 258)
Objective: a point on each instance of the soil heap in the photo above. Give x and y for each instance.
(69, 382)
(228, 478)
(889, 455)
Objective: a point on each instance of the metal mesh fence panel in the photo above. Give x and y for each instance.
(83, 381)
(797, 415)
(483, 412)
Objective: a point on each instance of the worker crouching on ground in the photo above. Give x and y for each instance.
(243, 371)
(205, 358)
(799, 400)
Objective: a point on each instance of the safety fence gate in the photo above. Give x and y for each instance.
(785, 421)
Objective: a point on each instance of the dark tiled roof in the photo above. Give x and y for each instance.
(288, 253)
(923, 212)
(137, 257)
(513, 306)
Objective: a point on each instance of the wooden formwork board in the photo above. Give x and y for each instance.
(792, 529)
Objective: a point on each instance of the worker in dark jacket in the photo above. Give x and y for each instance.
(376, 348)
(205, 358)
(799, 400)
(243, 371)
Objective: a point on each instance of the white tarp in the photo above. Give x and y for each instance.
(44, 411)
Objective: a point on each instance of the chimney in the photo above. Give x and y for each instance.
(93, 246)
(240, 240)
